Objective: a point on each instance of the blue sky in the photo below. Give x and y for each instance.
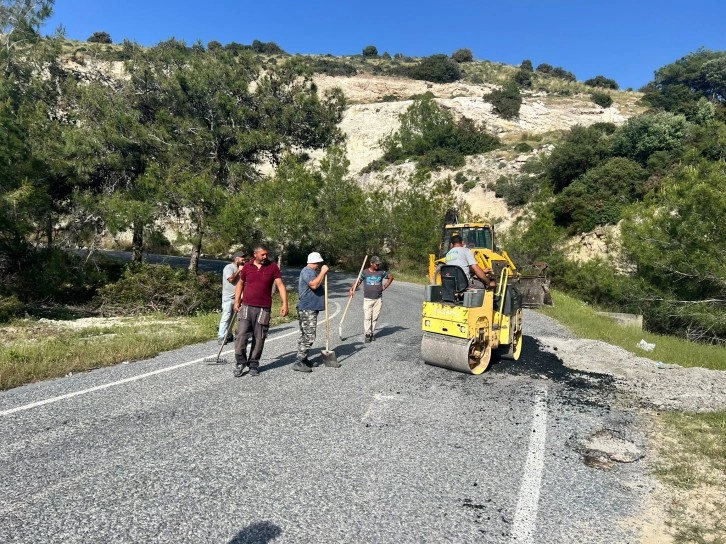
(623, 40)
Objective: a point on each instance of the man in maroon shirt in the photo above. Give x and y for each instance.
(252, 304)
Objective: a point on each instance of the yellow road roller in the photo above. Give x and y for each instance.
(465, 328)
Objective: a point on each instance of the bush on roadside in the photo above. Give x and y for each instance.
(10, 307)
(148, 288)
(65, 278)
(596, 282)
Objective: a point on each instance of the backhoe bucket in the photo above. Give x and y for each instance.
(535, 291)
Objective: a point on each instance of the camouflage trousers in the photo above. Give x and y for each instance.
(308, 321)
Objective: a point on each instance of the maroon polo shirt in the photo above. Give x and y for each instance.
(258, 283)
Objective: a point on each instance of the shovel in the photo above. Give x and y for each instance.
(329, 358)
(340, 327)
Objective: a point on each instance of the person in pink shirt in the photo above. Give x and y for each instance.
(253, 304)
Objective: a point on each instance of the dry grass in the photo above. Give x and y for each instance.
(36, 350)
(692, 463)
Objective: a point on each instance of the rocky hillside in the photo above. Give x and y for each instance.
(375, 102)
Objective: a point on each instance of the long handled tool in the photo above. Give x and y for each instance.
(217, 360)
(329, 358)
(350, 298)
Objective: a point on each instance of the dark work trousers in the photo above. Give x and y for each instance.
(255, 321)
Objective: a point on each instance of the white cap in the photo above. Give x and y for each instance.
(315, 257)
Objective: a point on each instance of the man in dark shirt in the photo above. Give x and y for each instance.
(253, 303)
(372, 279)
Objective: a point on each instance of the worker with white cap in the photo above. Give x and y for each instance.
(311, 301)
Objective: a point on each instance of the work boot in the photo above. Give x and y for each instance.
(254, 372)
(239, 369)
(300, 366)
(368, 338)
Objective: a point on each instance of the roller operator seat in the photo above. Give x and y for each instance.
(454, 282)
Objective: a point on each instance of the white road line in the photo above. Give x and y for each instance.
(525, 516)
(141, 376)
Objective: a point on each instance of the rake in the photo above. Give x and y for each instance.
(217, 360)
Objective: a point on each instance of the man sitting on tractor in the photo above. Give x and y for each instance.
(464, 258)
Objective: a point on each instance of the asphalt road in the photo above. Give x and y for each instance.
(383, 449)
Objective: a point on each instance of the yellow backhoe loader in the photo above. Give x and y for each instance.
(465, 328)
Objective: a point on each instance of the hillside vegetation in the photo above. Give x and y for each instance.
(206, 149)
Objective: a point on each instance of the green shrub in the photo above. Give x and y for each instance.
(552, 71)
(602, 82)
(582, 149)
(268, 48)
(148, 288)
(597, 282)
(390, 98)
(599, 197)
(523, 147)
(468, 186)
(156, 242)
(516, 190)
(333, 67)
(430, 135)
(100, 37)
(10, 307)
(370, 51)
(377, 165)
(67, 278)
(646, 134)
(523, 78)
(436, 68)
(602, 99)
(440, 157)
(463, 55)
(428, 95)
(506, 101)
(460, 178)
(473, 139)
